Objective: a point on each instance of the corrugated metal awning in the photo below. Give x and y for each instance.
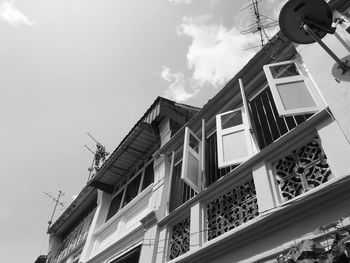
(140, 142)
(135, 146)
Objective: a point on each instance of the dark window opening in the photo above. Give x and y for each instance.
(212, 171)
(115, 205)
(180, 191)
(268, 124)
(148, 177)
(132, 256)
(132, 189)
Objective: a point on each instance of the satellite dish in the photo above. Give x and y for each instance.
(308, 21)
(315, 13)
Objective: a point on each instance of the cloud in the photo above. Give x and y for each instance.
(276, 8)
(215, 55)
(12, 15)
(179, 89)
(181, 1)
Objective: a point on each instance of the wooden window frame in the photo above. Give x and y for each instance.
(187, 150)
(273, 82)
(220, 132)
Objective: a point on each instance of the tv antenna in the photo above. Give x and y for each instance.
(57, 202)
(100, 155)
(259, 22)
(306, 22)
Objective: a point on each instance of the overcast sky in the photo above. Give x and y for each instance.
(68, 67)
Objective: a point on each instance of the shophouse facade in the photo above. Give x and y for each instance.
(257, 175)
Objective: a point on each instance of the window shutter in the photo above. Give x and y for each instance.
(291, 89)
(233, 138)
(191, 160)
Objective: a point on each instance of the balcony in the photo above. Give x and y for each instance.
(293, 166)
(122, 223)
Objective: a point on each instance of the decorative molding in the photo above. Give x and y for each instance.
(132, 239)
(149, 220)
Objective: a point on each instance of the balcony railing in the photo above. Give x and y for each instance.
(229, 205)
(231, 209)
(180, 238)
(302, 169)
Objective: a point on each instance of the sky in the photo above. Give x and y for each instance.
(68, 67)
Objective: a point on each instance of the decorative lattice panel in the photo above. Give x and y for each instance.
(301, 170)
(232, 209)
(180, 238)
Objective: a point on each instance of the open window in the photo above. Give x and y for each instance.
(191, 160)
(291, 89)
(233, 138)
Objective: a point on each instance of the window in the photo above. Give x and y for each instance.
(138, 183)
(133, 256)
(292, 91)
(115, 205)
(269, 126)
(191, 165)
(148, 177)
(212, 171)
(234, 140)
(132, 189)
(181, 192)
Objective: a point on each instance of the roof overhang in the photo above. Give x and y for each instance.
(141, 142)
(86, 199)
(135, 146)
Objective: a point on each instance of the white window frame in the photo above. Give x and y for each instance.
(273, 82)
(187, 150)
(124, 187)
(220, 132)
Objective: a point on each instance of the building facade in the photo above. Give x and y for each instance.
(260, 174)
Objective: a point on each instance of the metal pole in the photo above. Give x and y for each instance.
(54, 210)
(312, 34)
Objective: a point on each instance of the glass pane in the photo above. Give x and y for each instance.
(149, 176)
(234, 146)
(192, 169)
(115, 205)
(132, 189)
(285, 70)
(194, 143)
(231, 119)
(295, 95)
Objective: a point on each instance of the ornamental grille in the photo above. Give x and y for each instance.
(180, 238)
(301, 170)
(232, 209)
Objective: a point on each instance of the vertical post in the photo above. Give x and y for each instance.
(202, 178)
(196, 226)
(170, 182)
(250, 124)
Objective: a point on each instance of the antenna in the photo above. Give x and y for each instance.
(259, 22)
(306, 22)
(57, 202)
(100, 154)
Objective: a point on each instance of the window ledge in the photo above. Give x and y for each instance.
(304, 129)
